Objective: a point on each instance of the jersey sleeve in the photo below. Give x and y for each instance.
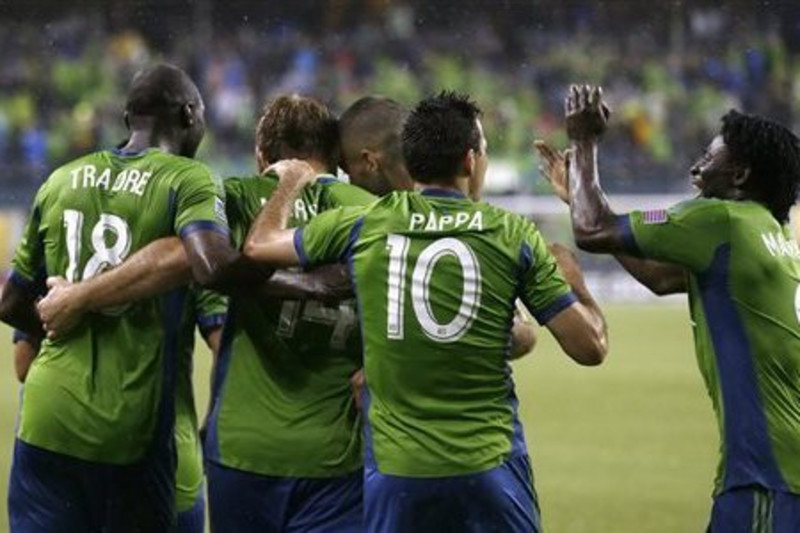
(545, 291)
(211, 309)
(686, 234)
(200, 202)
(28, 261)
(328, 236)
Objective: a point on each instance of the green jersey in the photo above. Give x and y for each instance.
(105, 392)
(282, 399)
(743, 273)
(436, 279)
(207, 310)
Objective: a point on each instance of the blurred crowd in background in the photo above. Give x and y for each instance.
(669, 70)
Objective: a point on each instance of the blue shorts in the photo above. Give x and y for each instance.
(501, 499)
(755, 509)
(193, 520)
(50, 492)
(244, 502)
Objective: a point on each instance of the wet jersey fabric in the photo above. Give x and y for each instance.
(206, 310)
(282, 399)
(743, 272)
(105, 392)
(436, 279)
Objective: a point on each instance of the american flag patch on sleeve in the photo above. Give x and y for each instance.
(655, 216)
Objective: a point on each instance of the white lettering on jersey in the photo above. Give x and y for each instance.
(435, 222)
(779, 246)
(130, 180)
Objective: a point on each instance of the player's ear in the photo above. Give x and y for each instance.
(470, 160)
(741, 177)
(187, 115)
(370, 159)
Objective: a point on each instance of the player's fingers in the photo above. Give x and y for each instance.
(605, 110)
(583, 100)
(55, 281)
(594, 97)
(572, 98)
(549, 153)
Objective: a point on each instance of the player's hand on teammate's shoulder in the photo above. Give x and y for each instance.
(554, 168)
(62, 308)
(293, 171)
(586, 112)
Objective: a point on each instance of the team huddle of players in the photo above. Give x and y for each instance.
(369, 390)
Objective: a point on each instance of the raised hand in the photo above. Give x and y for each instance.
(586, 113)
(554, 168)
(62, 308)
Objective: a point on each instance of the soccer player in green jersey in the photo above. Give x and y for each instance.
(95, 445)
(284, 445)
(207, 309)
(731, 250)
(370, 132)
(281, 386)
(436, 276)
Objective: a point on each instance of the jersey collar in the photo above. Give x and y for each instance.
(129, 153)
(443, 193)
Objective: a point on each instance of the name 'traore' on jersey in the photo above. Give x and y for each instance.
(130, 180)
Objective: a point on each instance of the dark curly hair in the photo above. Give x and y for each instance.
(438, 134)
(772, 153)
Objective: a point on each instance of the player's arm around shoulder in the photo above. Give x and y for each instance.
(579, 328)
(269, 242)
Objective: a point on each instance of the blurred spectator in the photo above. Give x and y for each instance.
(670, 72)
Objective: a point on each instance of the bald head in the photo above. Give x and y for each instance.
(370, 131)
(164, 109)
(160, 89)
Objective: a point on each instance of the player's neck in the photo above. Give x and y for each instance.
(459, 185)
(141, 139)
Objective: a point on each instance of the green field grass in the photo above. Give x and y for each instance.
(628, 447)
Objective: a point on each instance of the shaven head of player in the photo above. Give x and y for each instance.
(752, 158)
(444, 145)
(164, 109)
(369, 132)
(297, 127)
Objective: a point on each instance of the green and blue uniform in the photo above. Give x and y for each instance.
(436, 279)
(284, 428)
(103, 397)
(743, 277)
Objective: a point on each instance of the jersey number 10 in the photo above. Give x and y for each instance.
(421, 290)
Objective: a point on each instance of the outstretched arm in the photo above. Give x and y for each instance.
(593, 222)
(580, 328)
(661, 278)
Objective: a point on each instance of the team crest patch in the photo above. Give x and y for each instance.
(655, 216)
(219, 210)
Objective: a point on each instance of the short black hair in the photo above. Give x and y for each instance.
(771, 152)
(438, 134)
(294, 126)
(374, 122)
(160, 89)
